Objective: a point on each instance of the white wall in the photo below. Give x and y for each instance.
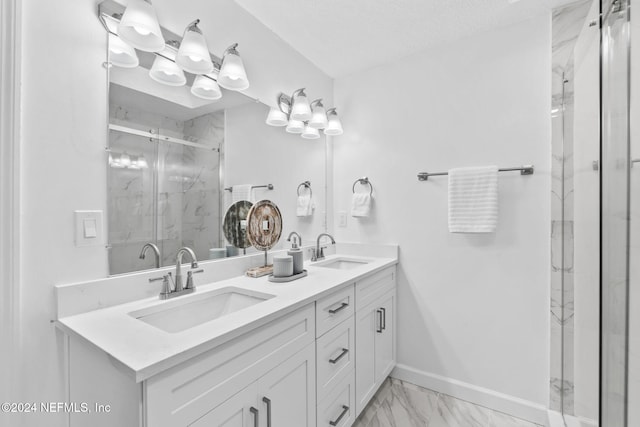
(473, 308)
(64, 113)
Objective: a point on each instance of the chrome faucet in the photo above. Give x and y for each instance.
(156, 252)
(319, 252)
(194, 264)
(293, 233)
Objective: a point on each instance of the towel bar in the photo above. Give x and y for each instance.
(363, 181)
(524, 170)
(267, 186)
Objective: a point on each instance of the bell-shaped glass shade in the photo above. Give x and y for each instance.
(318, 116)
(232, 74)
(206, 88)
(310, 133)
(167, 72)
(121, 54)
(139, 27)
(193, 55)
(334, 127)
(300, 110)
(277, 118)
(295, 126)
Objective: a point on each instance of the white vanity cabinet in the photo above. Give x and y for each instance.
(375, 333)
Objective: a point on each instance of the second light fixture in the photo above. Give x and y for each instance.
(299, 116)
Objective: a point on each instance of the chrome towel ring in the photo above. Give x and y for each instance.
(363, 181)
(306, 184)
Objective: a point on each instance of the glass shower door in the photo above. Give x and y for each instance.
(615, 213)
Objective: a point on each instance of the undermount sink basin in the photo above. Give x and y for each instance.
(184, 313)
(342, 263)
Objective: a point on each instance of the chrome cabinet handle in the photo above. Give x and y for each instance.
(342, 307)
(340, 356)
(256, 421)
(268, 402)
(379, 327)
(384, 318)
(345, 409)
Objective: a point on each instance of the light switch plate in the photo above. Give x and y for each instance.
(342, 219)
(89, 230)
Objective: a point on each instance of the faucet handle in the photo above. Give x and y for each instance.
(190, 274)
(313, 254)
(166, 287)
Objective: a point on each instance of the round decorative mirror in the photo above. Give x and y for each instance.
(235, 224)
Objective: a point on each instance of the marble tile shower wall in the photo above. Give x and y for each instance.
(184, 208)
(566, 25)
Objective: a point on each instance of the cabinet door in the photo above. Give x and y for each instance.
(287, 393)
(240, 410)
(384, 346)
(367, 327)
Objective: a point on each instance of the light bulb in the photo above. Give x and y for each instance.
(206, 88)
(193, 55)
(300, 110)
(167, 72)
(310, 133)
(295, 126)
(139, 27)
(125, 160)
(121, 54)
(232, 73)
(319, 115)
(334, 127)
(277, 118)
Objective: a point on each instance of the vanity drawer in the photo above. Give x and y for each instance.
(184, 393)
(371, 288)
(338, 408)
(335, 356)
(333, 309)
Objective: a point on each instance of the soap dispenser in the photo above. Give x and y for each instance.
(298, 258)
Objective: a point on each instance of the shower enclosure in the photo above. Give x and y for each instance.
(595, 308)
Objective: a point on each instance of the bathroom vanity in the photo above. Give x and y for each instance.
(306, 353)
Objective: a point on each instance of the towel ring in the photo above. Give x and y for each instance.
(306, 184)
(363, 181)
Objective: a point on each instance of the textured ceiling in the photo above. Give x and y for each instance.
(345, 36)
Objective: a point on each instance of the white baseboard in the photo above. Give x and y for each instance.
(491, 399)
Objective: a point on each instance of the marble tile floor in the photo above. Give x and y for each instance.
(401, 404)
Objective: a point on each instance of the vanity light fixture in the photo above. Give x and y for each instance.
(206, 87)
(164, 70)
(334, 127)
(232, 73)
(295, 126)
(193, 55)
(277, 117)
(310, 133)
(140, 28)
(300, 108)
(121, 54)
(319, 115)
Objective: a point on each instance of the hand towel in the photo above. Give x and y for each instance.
(305, 205)
(360, 205)
(241, 192)
(473, 199)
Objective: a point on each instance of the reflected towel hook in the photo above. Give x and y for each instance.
(306, 184)
(364, 181)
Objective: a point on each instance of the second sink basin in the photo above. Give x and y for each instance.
(342, 263)
(181, 314)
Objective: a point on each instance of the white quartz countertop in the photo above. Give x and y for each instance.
(143, 350)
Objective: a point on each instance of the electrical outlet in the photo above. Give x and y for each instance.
(342, 219)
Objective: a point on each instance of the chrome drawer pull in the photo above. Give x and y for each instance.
(345, 409)
(256, 421)
(384, 318)
(379, 327)
(340, 356)
(342, 307)
(268, 402)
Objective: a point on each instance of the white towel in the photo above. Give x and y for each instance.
(241, 192)
(360, 205)
(305, 205)
(473, 199)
